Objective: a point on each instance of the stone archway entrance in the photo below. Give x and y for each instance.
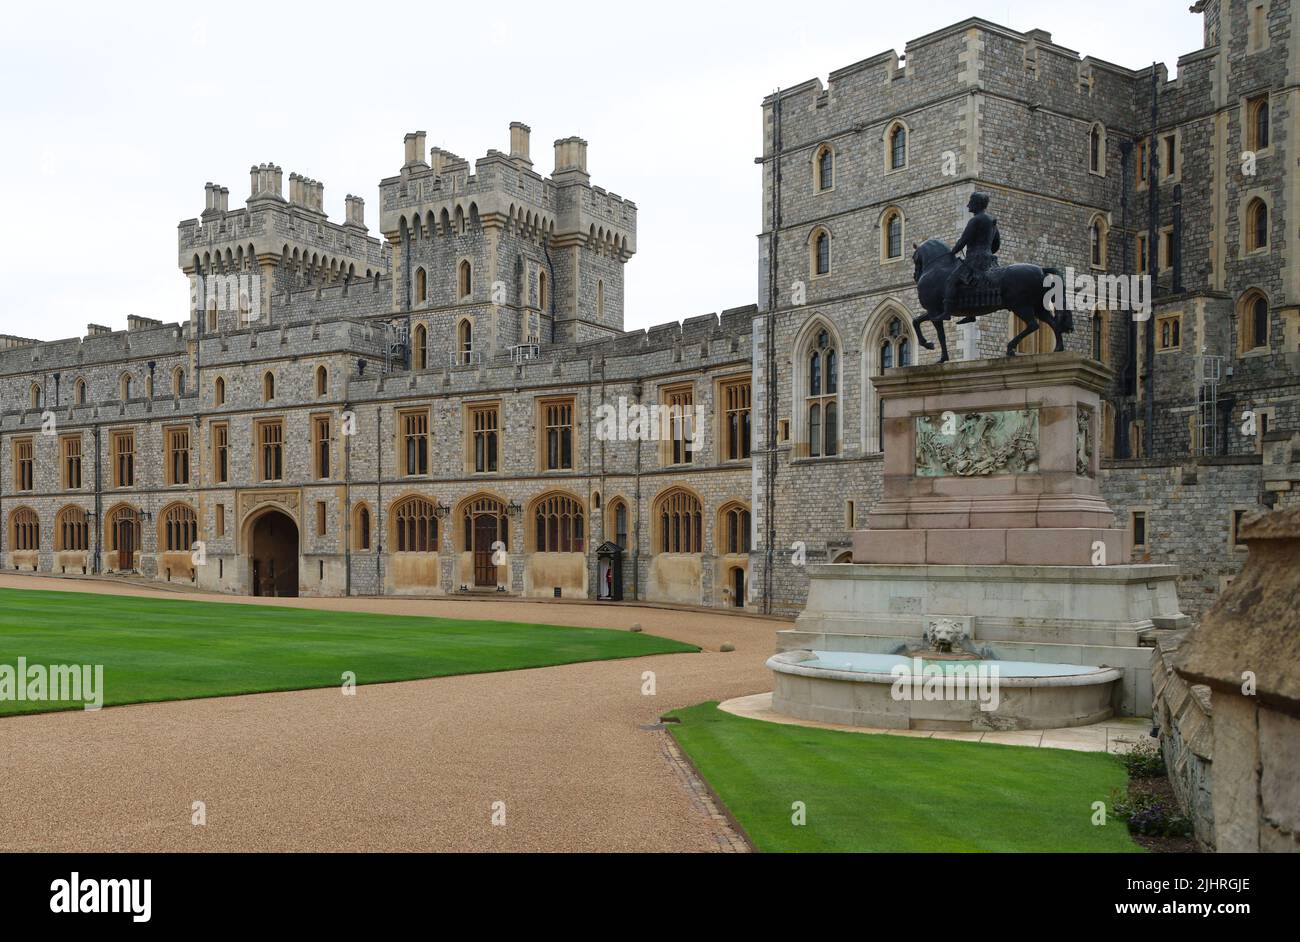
(273, 554)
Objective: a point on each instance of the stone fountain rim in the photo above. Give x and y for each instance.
(788, 662)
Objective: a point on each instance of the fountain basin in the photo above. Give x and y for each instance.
(892, 691)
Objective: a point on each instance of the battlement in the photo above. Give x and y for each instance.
(143, 339)
(972, 56)
(271, 230)
(352, 336)
(503, 189)
(698, 343)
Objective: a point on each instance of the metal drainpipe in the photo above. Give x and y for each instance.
(601, 479)
(1153, 267)
(347, 503)
(99, 504)
(1121, 444)
(636, 528)
(379, 500)
(769, 360)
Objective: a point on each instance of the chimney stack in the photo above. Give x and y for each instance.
(264, 181)
(519, 142)
(216, 198)
(414, 148)
(571, 154)
(354, 211)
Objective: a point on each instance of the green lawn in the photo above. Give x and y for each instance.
(160, 649)
(866, 792)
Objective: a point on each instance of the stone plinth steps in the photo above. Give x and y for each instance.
(991, 519)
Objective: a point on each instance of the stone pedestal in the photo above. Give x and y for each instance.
(993, 462)
(991, 519)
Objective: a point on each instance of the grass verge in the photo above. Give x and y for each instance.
(162, 649)
(864, 792)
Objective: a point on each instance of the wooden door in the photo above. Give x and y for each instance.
(485, 534)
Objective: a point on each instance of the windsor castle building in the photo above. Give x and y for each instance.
(416, 413)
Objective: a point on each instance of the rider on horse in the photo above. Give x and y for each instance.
(981, 241)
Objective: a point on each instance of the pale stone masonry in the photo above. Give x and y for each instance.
(313, 427)
(489, 310)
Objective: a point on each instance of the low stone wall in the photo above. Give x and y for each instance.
(1247, 651)
(1184, 715)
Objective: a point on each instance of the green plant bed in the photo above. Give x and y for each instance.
(163, 649)
(871, 792)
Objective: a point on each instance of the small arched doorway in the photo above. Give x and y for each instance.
(273, 542)
(738, 587)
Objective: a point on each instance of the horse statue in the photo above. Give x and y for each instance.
(945, 284)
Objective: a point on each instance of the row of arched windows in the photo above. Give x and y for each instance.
(126, 388)
(420, 345)
(464, 282)
(891, 242)
(177, 529)
(895, 139)
(555, 523)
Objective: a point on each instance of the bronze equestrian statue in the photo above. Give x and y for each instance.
(977, 285)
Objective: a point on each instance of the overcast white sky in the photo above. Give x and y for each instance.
(114, 116)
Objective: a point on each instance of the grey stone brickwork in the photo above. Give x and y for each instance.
(987, 108)
(396, 327)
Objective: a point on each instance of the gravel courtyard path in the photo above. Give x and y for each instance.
(413, 766)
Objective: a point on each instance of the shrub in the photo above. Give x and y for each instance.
(1151, 815)
(1145, 760)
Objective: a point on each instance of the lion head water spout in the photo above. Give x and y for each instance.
(944, 639)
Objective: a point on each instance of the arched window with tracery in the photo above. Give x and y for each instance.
(1253, 321)
(558, 524)
(465, 342)
(733, 533)
(420, 347)
(179, 528)
(484, 522)
(890, 345)
(897, 140)
(1097, 238)
(464, 279)
(821, 252)
(1258, 118)
(1097, 150)
(891, 227)
(618, 522)
(415, 526)
(123, 534)
(24, 530)
(71, 530)
(825, 168)
(1256, 225)
(681, 521)
(361, 527)
(821, 401)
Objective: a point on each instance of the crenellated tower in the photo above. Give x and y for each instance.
(238, 261)
(495, 256)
